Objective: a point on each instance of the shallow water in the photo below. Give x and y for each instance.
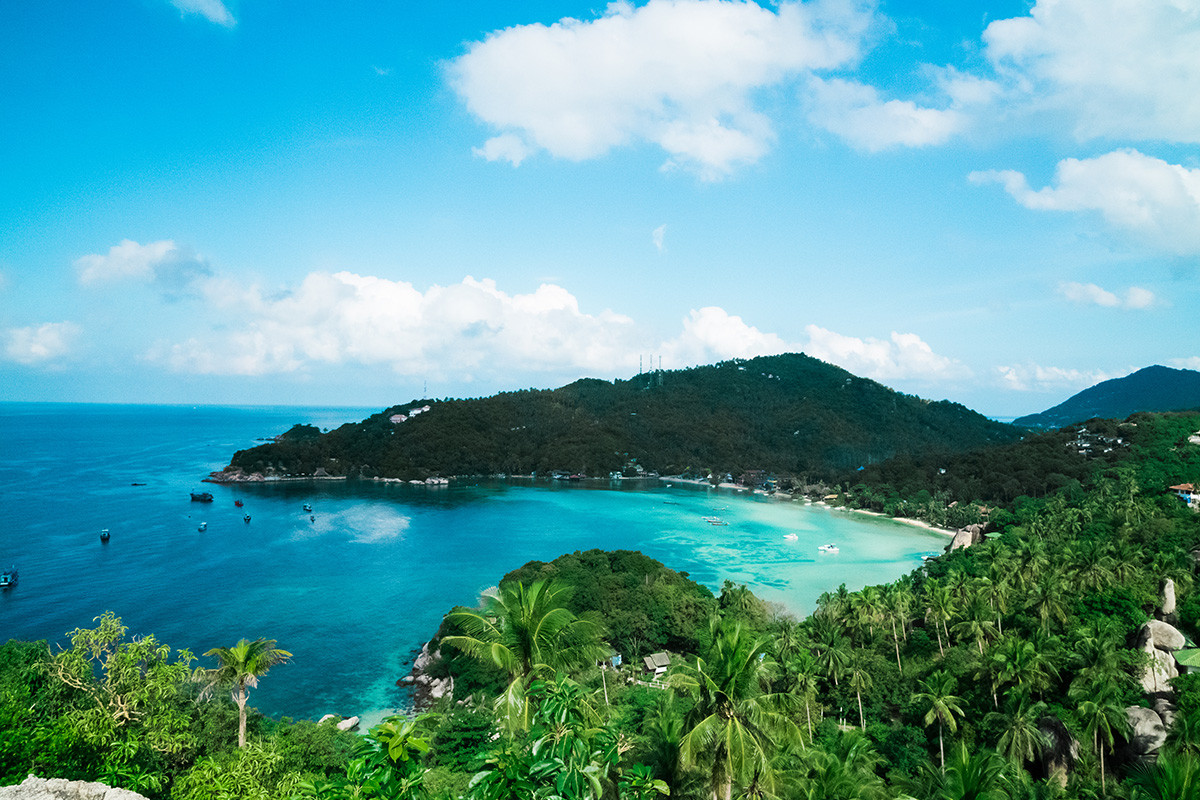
(354, 592)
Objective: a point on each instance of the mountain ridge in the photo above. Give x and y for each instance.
(788, 413)
(1153, 388)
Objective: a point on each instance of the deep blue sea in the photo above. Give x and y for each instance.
(354, 592)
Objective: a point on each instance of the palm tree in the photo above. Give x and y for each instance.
(736, 725)
(1022, 740)
(526, 631)
(938, 693)
(860, 681)
(1102, 717)
(1175, 776)
(241, 666)
(940, 603)
(977, 624)
(973, 776)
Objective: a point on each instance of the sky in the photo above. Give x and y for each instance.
(367, 202)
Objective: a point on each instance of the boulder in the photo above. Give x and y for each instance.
(1160, 670)
(33, 788)
(1168, 599)
(1162, 635)
(965, 537)
(348, 724)
(328, 717)
(1166, 711)
(1061, 751)
(441, 687)
(1147, 732)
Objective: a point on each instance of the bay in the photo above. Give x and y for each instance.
(355, 587)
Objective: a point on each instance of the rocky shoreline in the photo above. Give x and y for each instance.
(426, 689)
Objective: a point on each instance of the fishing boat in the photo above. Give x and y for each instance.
(104, 535)
(247, 519)
(828, 548)
(307, 507)
(202, 527)
(8, 578)
(202, 497)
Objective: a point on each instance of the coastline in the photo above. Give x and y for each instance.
(917, 523)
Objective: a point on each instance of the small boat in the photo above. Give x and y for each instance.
(828, 548)
(202, 497)
(104, 535)
(8, 578)
(202, 527)
(247, 519)
(312, 519)
(307, 507)
(238, 503)
(791, 537)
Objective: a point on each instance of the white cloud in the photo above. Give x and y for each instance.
(1090, 294)
(1117, 68)
(343, 317)
(212, 10)
(858, 114)
(40, 344)
(162, 263)
(712, 334)
(505, 147)
(1030, 377)
(903, 356)
(680, 74)
(1191, 362)
(1156, 201)
(656, 236)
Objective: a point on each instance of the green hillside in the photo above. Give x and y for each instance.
(1154, 388)
(788, 414)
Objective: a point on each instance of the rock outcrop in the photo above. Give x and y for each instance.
(33, 788)
(1159, 640)
(1147, 731)
(965, 537)
(1167, 610)
(348, 724)
(426, 688)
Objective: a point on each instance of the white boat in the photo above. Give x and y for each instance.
(791, 537)
(828, 548)
(203, 526)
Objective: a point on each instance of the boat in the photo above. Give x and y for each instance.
(307, 507)
(791, 537)
(238, 503)
(828, 548)
(312, 518)
(247, 519)
(202, 527)
(8, 578)
(202, 497)
(104, 535)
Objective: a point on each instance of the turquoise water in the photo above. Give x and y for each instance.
(354, 592)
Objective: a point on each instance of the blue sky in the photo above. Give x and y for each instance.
(258, 201)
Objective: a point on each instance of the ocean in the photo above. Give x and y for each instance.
(355, 587)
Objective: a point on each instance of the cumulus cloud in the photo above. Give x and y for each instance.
(902, 356)
(1191, 362)
(1033, 377)
(40, 344)
(211, 10)
(712, 334)
(857, 113)
(1135, 297)
(1117, 68)
(345, 317)
(1154, 200)
(681, 74)
(162, 263)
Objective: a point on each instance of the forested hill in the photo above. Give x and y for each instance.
(787, 414)
(1154, 388)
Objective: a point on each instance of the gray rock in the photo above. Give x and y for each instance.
(1168, 598)
(441, 687)
(1166, 711)
(348, 724)
(33, 788)
(1160, 670)
(328, 717)
(1163, 635)
(965, 537)
(1148, 733)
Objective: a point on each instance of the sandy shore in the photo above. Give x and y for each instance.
(919, 523)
